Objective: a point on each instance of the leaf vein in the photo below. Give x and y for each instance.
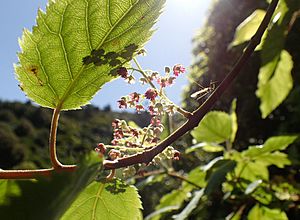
(96, 200)
(87, 26)
(108, 13)
(63, 44)
(42, 66)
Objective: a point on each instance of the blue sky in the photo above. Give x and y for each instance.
(170, 45)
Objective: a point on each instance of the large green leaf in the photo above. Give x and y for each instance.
(214, 127)
(246, 30)
(274, 80)
(111, 200)
(272, 144)
(275, 83)
(264, 213)
(46, 198)
(51, 69)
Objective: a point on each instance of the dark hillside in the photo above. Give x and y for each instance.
(24, 131)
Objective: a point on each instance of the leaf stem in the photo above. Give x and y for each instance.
(193, 121)
(52, 143)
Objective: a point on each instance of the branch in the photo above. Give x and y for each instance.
(32, 174)
(193, 121)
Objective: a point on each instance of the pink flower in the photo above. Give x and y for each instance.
(176, 155)
(139, 108)
(134, 132)
(135, 97)
(152, 110)
(177, 69)
(100, 148)
(151, 94)
(118, 134)
(114, 154)
(114, 142)
(155, 121)
(162, 81)
(122, 103)
(130, 79)
(115, 124)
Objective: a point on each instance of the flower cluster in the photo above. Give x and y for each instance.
(153, 100)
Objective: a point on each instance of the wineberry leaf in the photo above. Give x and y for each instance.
(112, 200)
(60, 65)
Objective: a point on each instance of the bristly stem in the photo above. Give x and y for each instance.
(52, 139)
(193, 121)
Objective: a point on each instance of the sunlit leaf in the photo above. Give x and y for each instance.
(251, 187)
(275, 80)
(190, 206)
(277, 158)
(234, 123)
(212, 163)
(8, 188)
(208, 147)
(275, 83)
(196, 176)
(214, 127)
(76, 46)
(246, 30)
(112, 200)
(264, 213)
(272, 144)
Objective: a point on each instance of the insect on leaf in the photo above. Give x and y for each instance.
(76, 44)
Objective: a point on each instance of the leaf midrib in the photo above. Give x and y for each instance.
(73, 83)
(96, 200)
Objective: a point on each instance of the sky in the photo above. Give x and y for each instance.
(171, 44)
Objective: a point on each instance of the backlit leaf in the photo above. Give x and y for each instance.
(77, 45)
(276, 83)
(264, 213)
(112, 200)
(214, 127)
(248, 27)
(251, 187)
(272, 144)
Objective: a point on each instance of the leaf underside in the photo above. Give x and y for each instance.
(50, 68)
(103, 201)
